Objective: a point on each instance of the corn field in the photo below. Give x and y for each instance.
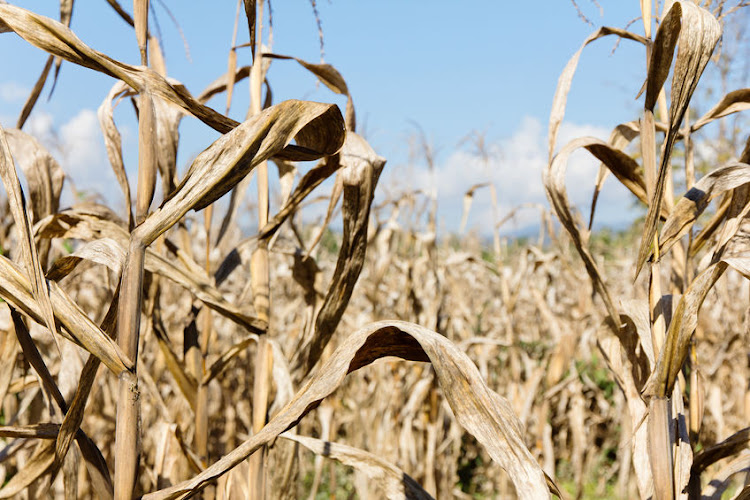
(160, 352)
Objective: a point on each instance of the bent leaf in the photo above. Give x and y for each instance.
(318, 130)
(695, 32)
(482, 412)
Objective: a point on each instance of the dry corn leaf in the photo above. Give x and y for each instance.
(43, 174)
(147, 156)
(91, 225)
(185, 382)
(104, 251)
(733, 102)
(35, 93)
(478, 409)
(70, 427)
(37, 465)
(393, 482)
(737, 211)
(312, 179)
(681, 329)
(694, 202)
(694, 32)
(732, 445)
(222, 83)
(559, 102)
(168, 119)
(619, 138)
(113, 142)
(554, 182)
(722, 480)
(30, 256)
(360, 173)
(331, 78)
(76, 325)
(95, 462)
(54, 38)
(317, 129)
(617, 355)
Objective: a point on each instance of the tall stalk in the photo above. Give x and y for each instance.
(259, 277)
(127, 431)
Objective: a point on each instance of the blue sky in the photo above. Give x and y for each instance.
(486, 66)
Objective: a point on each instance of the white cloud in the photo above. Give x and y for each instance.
(13, 92)
(515, 168)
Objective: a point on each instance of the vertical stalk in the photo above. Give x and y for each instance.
(127, 432)
(201, 407)
(259, 279)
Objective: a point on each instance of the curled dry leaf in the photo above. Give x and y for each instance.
(113, 141)
(566, 79)
(331, 78)
(684, 321)
(104, 251)
(394, 482)
(43, 174)
(318, 130)
(55, 38)
(482, 412)
(35, 92)
(695, 201)
(360, 174)
(87, 225)
(76, 325)
(694, 32)
(554, 181)
(733, 102)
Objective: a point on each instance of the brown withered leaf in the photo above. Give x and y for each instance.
(56, 39)
(312, 179)
(104, 251)
(559, 102)
(733, 102)
(331, 78)
(43, 174)
(318, 130)
(681, 328)
(360, 173)
(482, 412)
(76, 325)
(94, 460)
(554, 180)
(694, 202)
(30, 255)
(113, 141)
(35, 93)
(91, 224)
(694, 32)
